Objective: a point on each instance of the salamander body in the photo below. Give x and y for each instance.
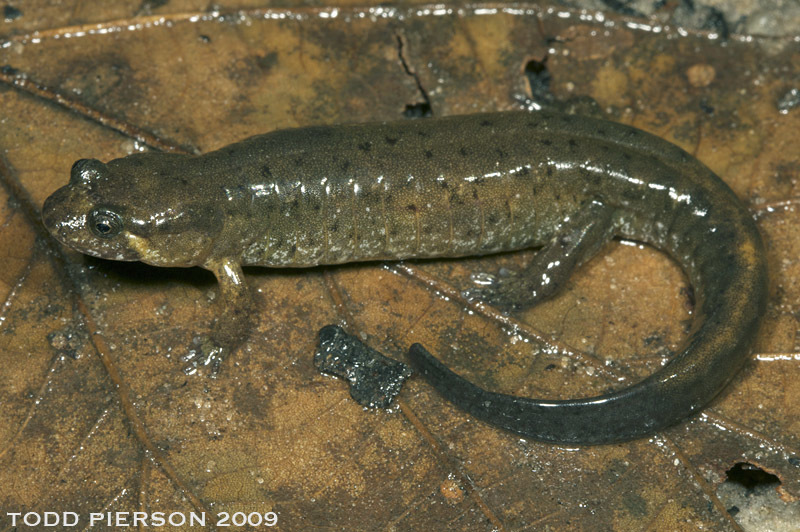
(447, 187)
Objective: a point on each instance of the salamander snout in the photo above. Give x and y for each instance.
(69, 215)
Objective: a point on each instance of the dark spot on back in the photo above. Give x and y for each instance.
(266, 172)
(391, 141)
(294, 248)
(572, 143)
(298, 161)
(366, 146)
(422, 133)
(500, 152)
(549, 171)
(345, 165)
(485, 123)
(428, 154)
(412, 207)
(525, 171)
(474, 194)
(463, 151)
(546, 142)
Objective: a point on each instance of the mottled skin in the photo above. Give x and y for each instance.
(447, 187)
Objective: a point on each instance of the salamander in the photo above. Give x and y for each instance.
(446, 187)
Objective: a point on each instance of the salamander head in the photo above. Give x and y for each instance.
(141, 207)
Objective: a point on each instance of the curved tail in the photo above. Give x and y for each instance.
(725, 260)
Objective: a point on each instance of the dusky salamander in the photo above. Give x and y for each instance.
(446, 187)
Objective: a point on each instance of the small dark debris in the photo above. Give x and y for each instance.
(750, 476)
(266, 61)
(691, 15)
(418, 110)
(622, 7)
(654, 339)
(149, 5)
(11, 13)
(789, 101)
(795, 461)
(706, 107)
(715, 21)
(8, 70)
(374, 379)
(205, 38)
(539, 79)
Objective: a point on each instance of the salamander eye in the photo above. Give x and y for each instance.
(105, 223)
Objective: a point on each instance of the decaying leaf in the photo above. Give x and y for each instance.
(96, 415)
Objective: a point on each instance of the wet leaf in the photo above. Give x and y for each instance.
(96, 415)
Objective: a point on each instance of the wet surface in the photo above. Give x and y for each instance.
(272, 434)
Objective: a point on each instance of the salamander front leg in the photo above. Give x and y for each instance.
(578, 238)
(231, 328)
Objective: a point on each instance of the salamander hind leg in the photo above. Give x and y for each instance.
(579, 237)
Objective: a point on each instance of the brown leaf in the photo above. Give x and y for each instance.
(96, 415)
